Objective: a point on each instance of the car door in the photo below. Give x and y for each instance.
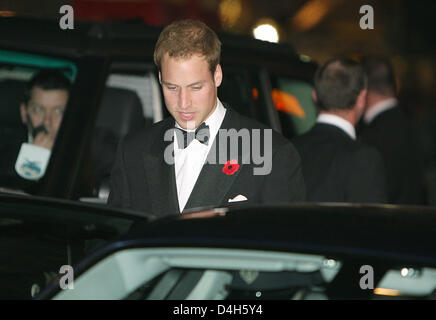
(39, 236)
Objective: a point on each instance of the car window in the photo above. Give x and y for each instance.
(131, 100)
(34, 92)
(241, 90)
(295, 105)
(235, 91)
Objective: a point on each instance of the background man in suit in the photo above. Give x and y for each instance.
(387, 127)
(145, 178)
(336, 167)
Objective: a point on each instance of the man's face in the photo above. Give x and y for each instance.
(189, 88)
(45, 107)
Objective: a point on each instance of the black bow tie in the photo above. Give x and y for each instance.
(184, 138)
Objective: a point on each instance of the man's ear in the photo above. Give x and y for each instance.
(160, 78)
(218, 76)
(361, 99)
(315, 98)
(360, 104)
(23, 112)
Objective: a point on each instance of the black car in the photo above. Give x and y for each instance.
(299, 252)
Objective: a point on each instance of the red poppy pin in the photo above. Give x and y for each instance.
(231, 167)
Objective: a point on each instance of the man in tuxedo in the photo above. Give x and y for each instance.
(386, 126)
(183, 162)
(336, 167)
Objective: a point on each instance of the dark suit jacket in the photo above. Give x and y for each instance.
(337, 168)
(142, 180)
(391, 133)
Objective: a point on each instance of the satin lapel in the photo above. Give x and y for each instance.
(213, 184)
(161, 176)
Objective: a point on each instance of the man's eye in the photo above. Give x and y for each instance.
(37, 109)
(59, 111)
(171, 88)
(196, 88)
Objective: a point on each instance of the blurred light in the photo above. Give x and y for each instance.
(266, 32)
(409, 272)
(229, 12)
(305, 58)
(312, 13)
(255, 93)
(7, 13)
(287, 103)
(386, 292)
(329, 263)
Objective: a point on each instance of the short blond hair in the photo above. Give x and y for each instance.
(184, 38)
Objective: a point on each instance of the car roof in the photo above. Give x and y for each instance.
(129, 37)
(377, 232)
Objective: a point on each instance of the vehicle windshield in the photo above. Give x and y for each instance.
(35, 91)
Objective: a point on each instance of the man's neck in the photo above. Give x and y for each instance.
(334, 119)
(377, 104)
(373, 99)
(346, 115)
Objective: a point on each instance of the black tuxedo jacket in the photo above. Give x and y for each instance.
(391, 133)
(142, 180)
(337, 168)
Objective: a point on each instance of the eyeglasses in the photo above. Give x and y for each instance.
(41, 112)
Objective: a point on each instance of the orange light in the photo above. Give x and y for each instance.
(288, 103)
(230, 12)
(7, 13)
(387, 292)
(255, 93)
(312, 13)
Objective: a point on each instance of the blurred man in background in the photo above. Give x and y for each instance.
(386, 126)
(27, 152)
(44, 104)
(336, 167)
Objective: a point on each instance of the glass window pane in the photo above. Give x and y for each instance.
(293, 100)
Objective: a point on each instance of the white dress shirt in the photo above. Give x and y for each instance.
(378, 108)
(188, 162)
(339, 122)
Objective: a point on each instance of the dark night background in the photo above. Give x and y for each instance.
(317, 28)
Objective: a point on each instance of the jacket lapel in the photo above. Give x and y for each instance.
(161, 176)
(213, 184)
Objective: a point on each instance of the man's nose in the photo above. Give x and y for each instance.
(48, 120)
(184, 99)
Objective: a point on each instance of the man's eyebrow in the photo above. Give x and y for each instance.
(195, 83)
(34, 104)
(189, 85)
(168, 83)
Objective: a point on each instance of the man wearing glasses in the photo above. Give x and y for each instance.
(42, 109)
